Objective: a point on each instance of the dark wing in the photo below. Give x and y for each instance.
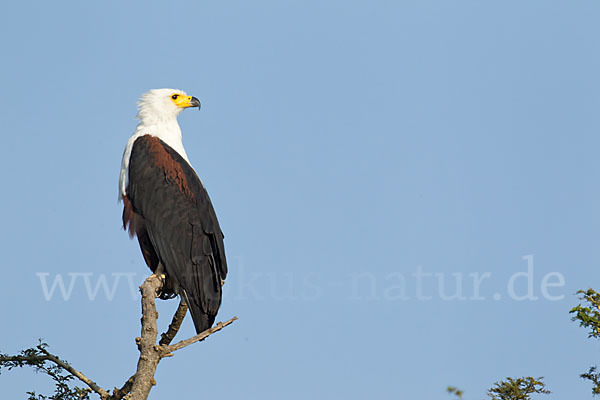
(181, 225)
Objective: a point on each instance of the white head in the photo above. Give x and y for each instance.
(164, 104)
(157, 110)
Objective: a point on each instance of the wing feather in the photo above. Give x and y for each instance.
(181, 224)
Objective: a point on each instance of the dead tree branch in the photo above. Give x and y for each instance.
(138, 386)
(37, 357)
(198, 338)
(66, 366)
(149, 357)
(118, 394)
(150, 352)
(167, 337)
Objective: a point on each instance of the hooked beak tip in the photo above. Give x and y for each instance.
(195, 103)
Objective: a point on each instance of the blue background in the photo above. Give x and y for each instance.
(344, 144)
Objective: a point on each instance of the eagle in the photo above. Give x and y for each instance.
(167, 207)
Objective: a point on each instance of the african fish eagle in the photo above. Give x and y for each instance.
(166, 205)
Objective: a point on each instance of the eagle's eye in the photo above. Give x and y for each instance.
(175, 96)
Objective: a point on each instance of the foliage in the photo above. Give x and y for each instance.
(455, 391)
(586, 313)
(593, 376)
(35, 357)
(517, 389)
(588, 316)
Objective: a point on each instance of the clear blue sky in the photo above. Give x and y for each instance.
(346, 146)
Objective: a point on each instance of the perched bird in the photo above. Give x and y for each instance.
(167, 207)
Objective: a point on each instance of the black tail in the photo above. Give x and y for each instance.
(202, 320)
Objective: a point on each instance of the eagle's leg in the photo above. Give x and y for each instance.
(166, 292)
(160, 271)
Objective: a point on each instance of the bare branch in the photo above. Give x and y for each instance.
(63, 364)
(167, 337)
(118, 394)
(138, 386)
(199, 337)
(150, 352)
(37, 356)
(149, 357)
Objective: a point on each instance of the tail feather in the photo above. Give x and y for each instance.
(202, 320)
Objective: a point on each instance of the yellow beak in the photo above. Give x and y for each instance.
(187, 101)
